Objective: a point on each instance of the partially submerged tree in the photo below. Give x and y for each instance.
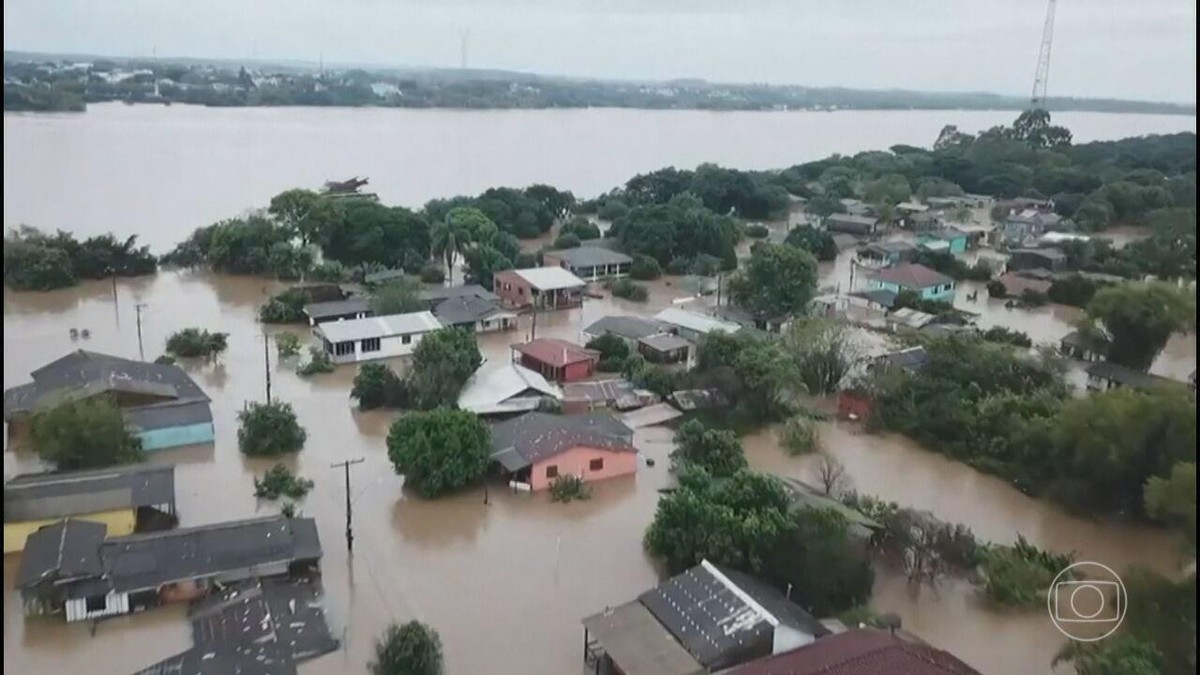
(411, 649)
(777, 280)
(270, 429)
(85, 434)
(1139, 319)
(439, 451)
(442, 363)
(831, 476)
(399, 296)
(194, 342)
(717, 451)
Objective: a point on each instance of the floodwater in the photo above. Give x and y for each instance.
(163, 171)
(505, 578)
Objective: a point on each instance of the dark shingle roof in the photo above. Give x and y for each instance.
(466, 309)
(435, 294)
(65, 550)
(535, 436)
(335, 308)
(628, 327)
(39, 496)
(1128, 377)
(913, 358)
(912, 276)
(860, 652)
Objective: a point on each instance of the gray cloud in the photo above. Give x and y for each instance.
(1143, 50)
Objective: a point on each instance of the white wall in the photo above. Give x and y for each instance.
(389, 347)
(787, 638)
(116, 603)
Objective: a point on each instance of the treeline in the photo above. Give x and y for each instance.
(36, 261)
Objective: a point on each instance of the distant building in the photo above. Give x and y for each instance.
(861, 652)
(665, 349)
(1076, 345)
(1029, 223)
(1049, 259)
(704, 620)
(432, 296)
(557, 360)
(693, 326)
(536, 448)
(887, 253)
(949, 240)
(544, 288)
(119, 498)
(851, 224)
(628, 328)
(162, 405)
(338, 310)
(590, 263)
(70, 568)
(1103, 375)
(376, 337)
(926, 283)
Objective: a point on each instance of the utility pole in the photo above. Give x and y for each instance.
(349, 530)
(138, 307)
(267, 365)
(533, 328)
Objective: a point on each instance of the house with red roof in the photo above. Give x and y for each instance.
(860, 652)
(536, 448)
(557, 360)
(927, 283)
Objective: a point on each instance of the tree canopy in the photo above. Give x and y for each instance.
(777, 280)
(87, 434)
(35, 261)
(411, 649)
(1139, 318)
(270, 429)
(717, 451)
(441, 365)
(440, 450)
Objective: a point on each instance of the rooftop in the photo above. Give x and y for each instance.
(467, 309)
(907, 316)
(913, 358)
(912, 276)
(887, 247)
(590, 256)
(879, 296)
(1047, 253)
(435, 294)
(493, 390)
(534, 436)
(550, 278)
(379, 326)
(598, 391)
(1126, 376)
(851, 218)
(859, 652)
(554, 352)
(335, 308)
(39, 496)
(665, 343)
(68, 549)
(806, 495)
(700, 323)
(628, 327)
(945, 234)
(636, 641)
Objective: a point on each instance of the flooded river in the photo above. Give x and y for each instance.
(504, 581)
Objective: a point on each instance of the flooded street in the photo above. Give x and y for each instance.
(505, 578)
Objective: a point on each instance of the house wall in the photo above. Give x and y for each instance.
(944, 293)
(956, 245)
(342, 317)
(593, 273)
(114, 605)
(389, 347)
(572, 372)
(512, 289)
(787, 638)
(174, 437)
(576, 462)
(853, 403)
(119, 522)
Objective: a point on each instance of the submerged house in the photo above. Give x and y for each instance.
(338, 310)
(887, 253)
(1050, 259)
(70, 568)
(590, 263)
(474, 314)
(162, 405)
(536, 448)
(861, 652)
(926, 283)
(947, 240)
(507, 389)
(1077, 345)
(693, 326)
(432, 296)
(1103, 375)
(120, 498)
(549, 287)
(704, 620)
(376, 337)
(628, 328)
(851, 224)
(557, 360)
(1029, 223)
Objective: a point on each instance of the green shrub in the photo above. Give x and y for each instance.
(569, 488)
(756, 230)
(624, 288)
(329, 270)
(285, 307)
(996, 289)
(612, 209)
(1020, 575)
(194, 342)
(644, 268)
(318, 362)
(279, 481)
(581, 227)
(287, 344)
(270, 429)
(678, 266)
(800, 436)
(566, 241)
(433, 275)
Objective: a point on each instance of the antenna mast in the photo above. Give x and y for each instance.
(1042, 76)
(463, 35)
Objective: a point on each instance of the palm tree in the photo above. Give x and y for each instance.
(449, 240)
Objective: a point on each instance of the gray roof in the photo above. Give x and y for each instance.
(807, 496)
(505, 389)
(143, 561)
(880, 296)
(590, 256)
(851, 219)
(890, 247)
(336, 308)
(384, 275)
(913, 358)
(1126, 376)
(82, 374)
(1046, 253)
(665, 343)
(379, 326)
(638, 643)
(467, 309)
(945, 234)
(628, 327)
(435, 294)
(724, 618)
(535, 436)
(68, 549)
(39, 496)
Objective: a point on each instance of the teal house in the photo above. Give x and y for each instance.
(161, 403)
(928, 284)
(948, 240)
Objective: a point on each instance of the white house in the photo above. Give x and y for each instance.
(693, 326)
(375, 337)
(509, 388)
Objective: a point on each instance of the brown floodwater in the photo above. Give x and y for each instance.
(506, 582)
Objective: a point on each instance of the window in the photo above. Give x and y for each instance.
(371, 345)
(343, 348)
(96, 603)
(596, 465)
(520, 290)
(405, 339)
(552, 471)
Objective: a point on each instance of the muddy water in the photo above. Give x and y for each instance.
(504, 582)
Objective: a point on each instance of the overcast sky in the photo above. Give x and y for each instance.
(1136, 49)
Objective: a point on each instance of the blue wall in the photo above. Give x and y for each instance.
(941, 293)
(174, 437)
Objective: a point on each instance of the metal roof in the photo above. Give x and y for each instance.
(699, 323)
(912, 276)
(379, 326)
(41, 496)
(555, 352)
(860, 652)
(851, 219)
(1126, 376)
(628, 327)
(536, 435)
(65, 550)
(335, 308)
(638, 643)
(507, 388)
(665, 343)
(435, 294)
(550, 278)
(467, 309)
(590, 256)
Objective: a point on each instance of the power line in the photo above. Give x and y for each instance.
(349, 505)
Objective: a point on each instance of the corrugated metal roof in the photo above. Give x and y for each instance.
(590, 256)
(550, 278)
(860, 652)
(638, 643)
(536, 435)
(324, 310)
(694, 321)
(59, 495)
(65, 550)
(379, 326)
(492, 390)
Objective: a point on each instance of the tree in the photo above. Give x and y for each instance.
(719, 452)
(1119, 655)
(440, 450)
(613, 352)
(398, 296)
(825, 570)
(644, 268)
(581, 227)
(287, 344)
(823, 206)
(831, 476)
(411, 649)
(483, 262)
(376, 386)
(85, 434)
(817, 242)
(777, 280)
(194, 342)
(1173, 499)
(270, 429)
(442, 363)
(292, 209)
(449, 240)
(1139, 319)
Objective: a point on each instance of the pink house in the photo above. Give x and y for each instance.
(536, 448)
